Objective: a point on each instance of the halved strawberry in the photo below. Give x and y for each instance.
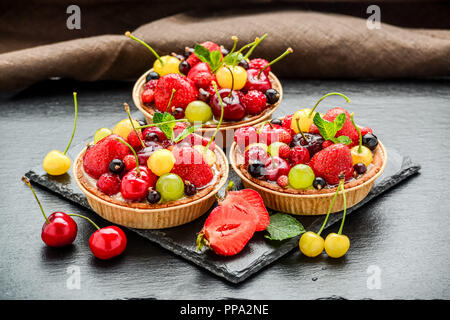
(226, 231)
(249, 202)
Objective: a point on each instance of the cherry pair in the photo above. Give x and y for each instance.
(60, 230)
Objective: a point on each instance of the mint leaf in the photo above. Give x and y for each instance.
(216, 58)
(167, 128)
(326, 128)
(229, 58)
(339, 121)
(202, 53)
(186, 132)
(283, 226)
(342, 139)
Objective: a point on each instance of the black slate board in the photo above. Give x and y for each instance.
(259, 252)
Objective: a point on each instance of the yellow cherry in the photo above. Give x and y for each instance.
(305, 120)
(231, 77)
(56, 163)
(169, 64)
(124, 127)
(361, 156)
(161, 161)
(101, 133)
(336, 245)
(207, 153)
(311, 244)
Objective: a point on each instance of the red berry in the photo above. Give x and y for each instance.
(108, 242)
(365, 131)
(185, 93)
(148, 96)
(259, 64)
(191, 166)
(179, 128)
(255, 153)
(284, 151)
(275, 167)
(108, 183)
(283, 181)
(255, 102)
(135, 187)
(274, 133)
(330, 162)
(156, 130)
(151, 84)
(129, 161)
(60, 231)
(134, 141)
(211, 46)
(299, 155)
(245, 136)
(201, 75)
(255, 82)
(348, 129)
(327, 143)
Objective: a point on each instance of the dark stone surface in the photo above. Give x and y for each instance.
(404, 232)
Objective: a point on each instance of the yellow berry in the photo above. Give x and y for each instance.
(304, 119)
(311, 244)
(102, 133)
(207, 153)
(336, 245)
(161, 161)
(124, 127)
(170, 65)
(225, 79)
(56, 163)
(365, 156)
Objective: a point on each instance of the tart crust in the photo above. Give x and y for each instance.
(220, 163)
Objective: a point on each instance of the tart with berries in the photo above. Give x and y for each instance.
(248, 89)
(295, 162)
(150, 176)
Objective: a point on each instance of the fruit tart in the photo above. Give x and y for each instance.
(295, 162)
(249, 90)
(150, 176)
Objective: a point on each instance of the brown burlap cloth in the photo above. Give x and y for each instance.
(325, 46)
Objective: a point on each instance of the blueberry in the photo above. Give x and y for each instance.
(370, 141)
(272, 96)
(189, 189)
(184, 67)
(256, 169)
(153, 196)
(188, 51)
(276, 121)
(116, 166)
(152, 76)
(360, 168)
(319, 183)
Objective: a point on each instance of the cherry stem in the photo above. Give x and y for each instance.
(256, 43)
(27, 181)
(134, 153)
(232, 81)
(235, 40)
(170, 100)
(127, 109)
(221, 115)
(80, 216)
(300, 130)
(240, 50)
(284, 54)
(327, 95)
(329, 209)
(341, 183)
(75, 123)
(129, 35)
(359, 133)
(160, 123)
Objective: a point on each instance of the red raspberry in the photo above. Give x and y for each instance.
(151, 84)
(326, 144)
(284, 151)
(129, 161)
(255, 102)
(134, 141)
(283, 181)
(365, 131)
(299, 155)
(259, 64)
(108, 183)
(245, 136)
(148, 96)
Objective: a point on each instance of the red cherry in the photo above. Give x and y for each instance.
(157, 131)
(233, 109)
(108, 242)
(275, 167)
(135, 186)
(299, 155)
(261, 83)
(60, 230)
(271, 133)
(201, 75)
(245, 136)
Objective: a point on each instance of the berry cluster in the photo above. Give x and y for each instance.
(244, 85)
(306, 149)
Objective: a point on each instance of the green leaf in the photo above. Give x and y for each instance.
(342, 139)
(229, 58)
(339, 121)
(202, 53)
(283, 226)
(326, 128)
(216, 58)
(167, 128)
(186, 132)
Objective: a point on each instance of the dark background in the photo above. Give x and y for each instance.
(404, 232)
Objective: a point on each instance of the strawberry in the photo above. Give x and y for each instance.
(201, 75)
(326, 144)
(227, 230)
(348, 129)
(193, 60)
(330, 162)
(274, 133)
(249, 202)
(185, 93)
(313, 129)
(255, 102)
(97, 158)
(259, 64)
(191, 166)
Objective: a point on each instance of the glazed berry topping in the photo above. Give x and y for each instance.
(370, 141)
(116, 166)
(256, 169)
(272, 96)
(319, 183)
(153, 196)
(189, 188)
(152, 76)
(108, 183)
(360, 168)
